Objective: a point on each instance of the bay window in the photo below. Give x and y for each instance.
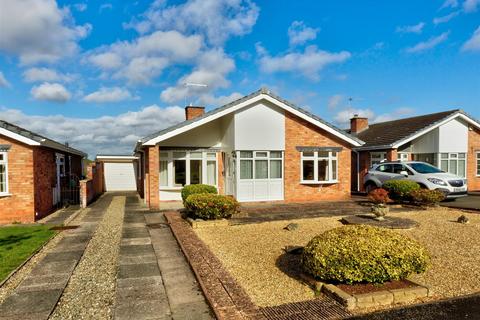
(179, 168)
(3, 173)
(319, 167)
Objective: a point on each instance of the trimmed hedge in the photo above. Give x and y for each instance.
(196, 189)
(211, 206)
(400, 189)
(427, 197)
(360, 253)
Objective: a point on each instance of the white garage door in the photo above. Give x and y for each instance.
(120, 176)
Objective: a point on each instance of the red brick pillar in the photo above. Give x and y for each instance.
(153, 161)
(83, 193)
(392, 155)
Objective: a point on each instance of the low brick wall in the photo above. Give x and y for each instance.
(92, 187)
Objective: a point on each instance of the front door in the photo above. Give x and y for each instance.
(60, 171)
(229, 174)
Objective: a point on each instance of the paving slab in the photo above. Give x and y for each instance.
(138, 270)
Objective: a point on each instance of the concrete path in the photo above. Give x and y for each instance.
(154, 280)
(38, 294)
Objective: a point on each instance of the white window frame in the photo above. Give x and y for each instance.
(377, 155)
(254, 157)
(453, 156)
(404, 155)
(315, 158)
(478, 163)
(170, 172)
(5, 163)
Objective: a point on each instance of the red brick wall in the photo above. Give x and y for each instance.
(298, 132)
(153, 160)
(19, 207)
(220, 175)
(473, 147)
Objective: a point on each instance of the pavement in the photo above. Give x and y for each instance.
(470, 202)
(154, 280)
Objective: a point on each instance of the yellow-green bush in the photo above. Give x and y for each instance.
(211, 206)
(400, 189)
(197, 188)
(360, 253)
(427, 197)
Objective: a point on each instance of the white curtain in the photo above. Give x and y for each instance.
(211, 173)
(163, 173)
(275, 169)
(246, 169)
(261, 169)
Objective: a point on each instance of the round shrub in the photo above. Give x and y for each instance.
(359, 253)
(197, 188)
(400, 189)
(211, 206)
(427, 197)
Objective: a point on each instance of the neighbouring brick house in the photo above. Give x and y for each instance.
(35, 172)
(257, 148)
(449, 140)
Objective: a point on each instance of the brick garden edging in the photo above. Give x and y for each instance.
(225, 296)
(371, 299)
(199, 223)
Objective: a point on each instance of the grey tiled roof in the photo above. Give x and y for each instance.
(43, 141)
(389, 133)
(245, 98)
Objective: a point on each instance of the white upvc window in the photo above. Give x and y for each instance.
(377, 157)
(3, 173)
(403, 156)
(319, 167)
(455, 163)
(261, 165)
(180, 168)
(478, 163)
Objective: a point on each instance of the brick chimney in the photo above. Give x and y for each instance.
(192, 112)
(358, 124)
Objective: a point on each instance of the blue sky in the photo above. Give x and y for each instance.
(103, 74)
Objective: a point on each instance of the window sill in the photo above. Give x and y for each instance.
(4, 195)
(319, 182)
(170, 188)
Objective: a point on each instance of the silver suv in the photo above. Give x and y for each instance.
(426, 175)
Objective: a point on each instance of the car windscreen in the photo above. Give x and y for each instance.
(424, 168)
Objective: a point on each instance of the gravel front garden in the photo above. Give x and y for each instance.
(254, 254)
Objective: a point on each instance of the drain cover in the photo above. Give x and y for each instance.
(157, 225)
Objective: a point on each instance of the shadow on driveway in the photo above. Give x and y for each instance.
(470, 202)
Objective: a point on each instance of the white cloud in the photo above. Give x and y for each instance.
(299, 33)
(45, 74)
(143, 59)
(53, 92)
(105, 6)
(108, 95)
(473, 44)
(334, 101)
(417, 28)
(39, 31)
(470, 6)
(309, 63)
(107, 134)
(3, 81)
(449, 4)
(212, 69)
(217, 20)
(429, 44)
(80, 6)
(211, 100)
(342, 118)
(445, 19)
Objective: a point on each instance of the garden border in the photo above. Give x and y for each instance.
(225, 296)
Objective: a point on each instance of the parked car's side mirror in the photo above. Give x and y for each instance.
(404, 173)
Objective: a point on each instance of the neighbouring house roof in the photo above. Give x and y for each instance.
(33, 139)
(240, 103)
(395, 133)
(103, 157)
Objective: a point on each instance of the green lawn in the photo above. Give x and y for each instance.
(17, 243)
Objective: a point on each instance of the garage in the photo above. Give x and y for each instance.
(119, 172)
